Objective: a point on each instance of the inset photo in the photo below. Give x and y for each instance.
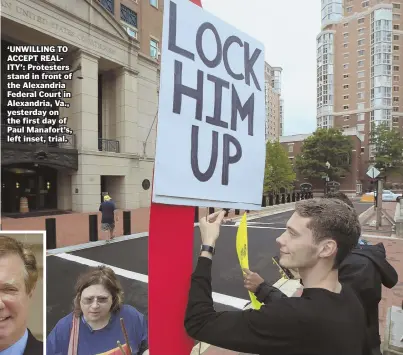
(22, 302)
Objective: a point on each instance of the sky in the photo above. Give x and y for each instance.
(288, 30)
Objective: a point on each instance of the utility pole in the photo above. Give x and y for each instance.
(379, 203)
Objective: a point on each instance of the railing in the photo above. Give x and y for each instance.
(108, 145)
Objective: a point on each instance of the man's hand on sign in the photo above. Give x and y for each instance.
(210, 227)
(252, 280)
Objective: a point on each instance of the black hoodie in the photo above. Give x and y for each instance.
(365, 270)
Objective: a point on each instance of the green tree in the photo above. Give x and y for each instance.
(279, 172)
(388, 148)
(325, 145)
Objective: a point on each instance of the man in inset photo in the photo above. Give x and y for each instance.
(18, 279)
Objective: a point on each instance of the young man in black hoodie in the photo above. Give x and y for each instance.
(327, 319)
(365, 270)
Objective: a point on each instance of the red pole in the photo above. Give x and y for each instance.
(170, 254)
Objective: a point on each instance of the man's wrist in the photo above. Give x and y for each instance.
(206, 254)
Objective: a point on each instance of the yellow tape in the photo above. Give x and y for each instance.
(242, 251)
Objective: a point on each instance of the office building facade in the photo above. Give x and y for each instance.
(359, 67)
(114, 58)
(274, 103)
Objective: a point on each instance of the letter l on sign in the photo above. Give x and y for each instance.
(170, 254)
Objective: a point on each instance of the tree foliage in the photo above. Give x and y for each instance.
(325, 145)
(388, 147)
(279, 172)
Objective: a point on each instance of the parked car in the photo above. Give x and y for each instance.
(387, 195)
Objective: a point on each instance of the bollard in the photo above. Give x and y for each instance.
(237, 212)
(196, 214)
(264, 201)
(282, 198)
(288, 198)
(293, 197)
(270, 200)
(50, 226)
(210, 210)
(127, 229)
(93, 227)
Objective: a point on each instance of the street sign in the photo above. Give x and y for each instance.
(373, 172)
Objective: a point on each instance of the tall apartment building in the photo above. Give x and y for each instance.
(359, 66)
(113, 54)
(274, 103)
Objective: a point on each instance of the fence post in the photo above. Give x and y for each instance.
(127, 228)
(50, 226)
(93, 227)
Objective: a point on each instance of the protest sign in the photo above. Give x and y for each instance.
(210, 149)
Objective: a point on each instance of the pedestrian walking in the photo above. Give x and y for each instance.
(108, 209)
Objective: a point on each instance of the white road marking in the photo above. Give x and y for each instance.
(217, 297)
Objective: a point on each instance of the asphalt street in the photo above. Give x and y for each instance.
(131, 256)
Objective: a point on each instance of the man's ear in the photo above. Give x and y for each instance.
(328, 248)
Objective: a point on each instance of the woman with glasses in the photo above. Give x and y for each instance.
(100, 323)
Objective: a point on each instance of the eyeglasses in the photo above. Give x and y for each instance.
(90, 300)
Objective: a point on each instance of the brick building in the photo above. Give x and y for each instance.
(359, 61)
(355, 182)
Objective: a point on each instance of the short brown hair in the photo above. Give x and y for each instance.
(340, 196)
(332, 219)
(100, 275)
(10, 246)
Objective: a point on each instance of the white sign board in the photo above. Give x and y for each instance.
(373, 172)
(210, 147)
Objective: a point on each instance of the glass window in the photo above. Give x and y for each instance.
(108, 5)
(128, 15)
(154, 3)
(154, 48)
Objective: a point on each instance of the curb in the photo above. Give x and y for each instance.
(363, 217)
